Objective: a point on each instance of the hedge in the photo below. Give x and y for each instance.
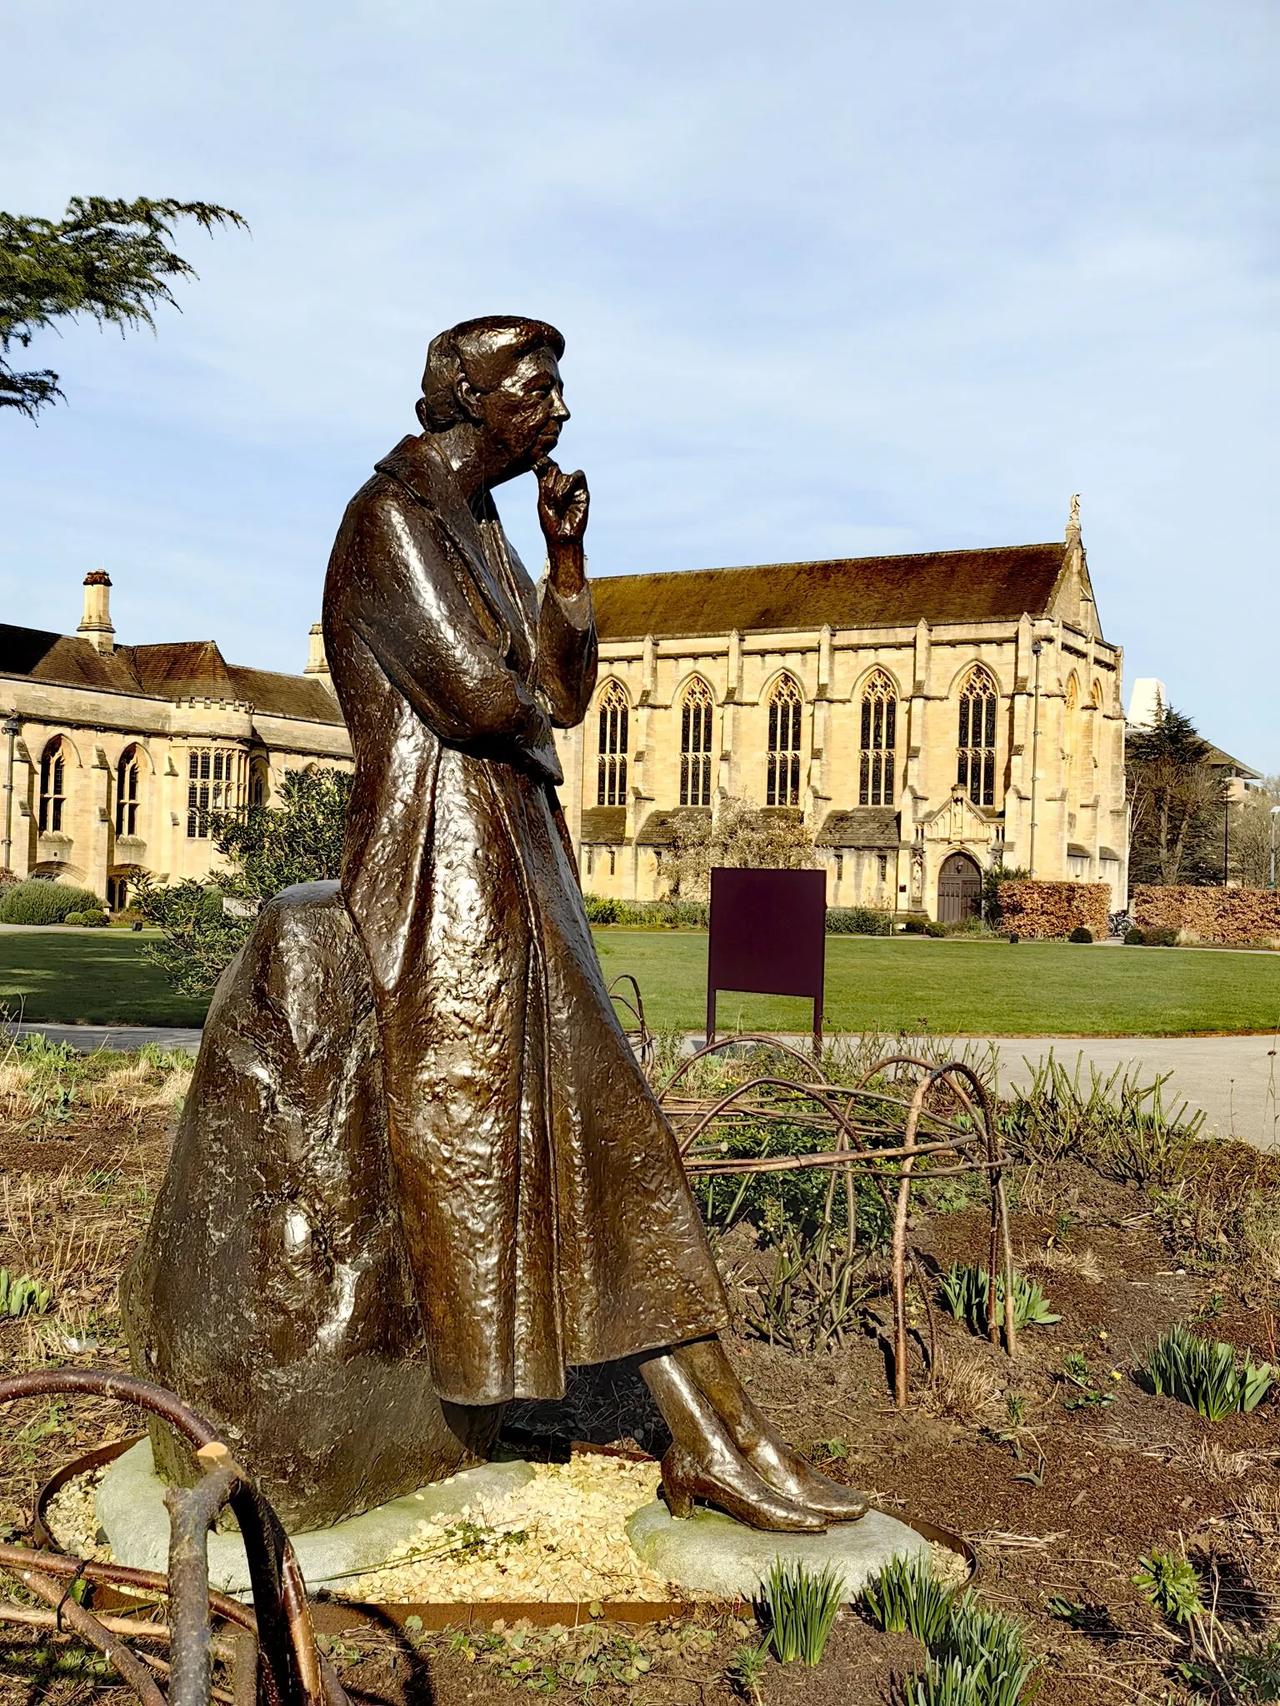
(858, 921)
(692, 915)
(1040, 911)
(41, 901)
(88, 920)
(1234, 917)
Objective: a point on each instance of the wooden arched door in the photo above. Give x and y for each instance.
(959, 889)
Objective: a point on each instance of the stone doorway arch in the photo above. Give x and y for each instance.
(959, 889)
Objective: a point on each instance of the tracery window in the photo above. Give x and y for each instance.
(53, 785)
(210, 787)
(127, 792)
(879, 741)
(695, 745)
(976, 744)
(611, 765)
(783, 781)
(259, 782)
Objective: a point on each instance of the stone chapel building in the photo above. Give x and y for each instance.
(111, 757)
(926, 715)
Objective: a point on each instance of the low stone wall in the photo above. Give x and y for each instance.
(1235, 917)
(1042, 911)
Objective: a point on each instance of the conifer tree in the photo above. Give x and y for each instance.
(1176, 798)
(109, 259)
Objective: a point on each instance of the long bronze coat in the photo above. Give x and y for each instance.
(546, 1213)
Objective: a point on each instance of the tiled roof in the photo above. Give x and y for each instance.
(189, 669)
(851, 592)
(604, 824)
(62, 659)
(864, 826)
(658, 829)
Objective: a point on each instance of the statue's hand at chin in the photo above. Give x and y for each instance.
(563, 502)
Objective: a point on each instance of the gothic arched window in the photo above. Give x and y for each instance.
(53, 785)
(785, 705)
(976, 743)
(127, 792)
(879, 741)
(611, 773)
(695, 745)
(259, 782)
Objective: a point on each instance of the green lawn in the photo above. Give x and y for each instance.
(87, 977)
(959, 987)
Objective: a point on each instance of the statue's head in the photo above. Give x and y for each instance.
(500, 374)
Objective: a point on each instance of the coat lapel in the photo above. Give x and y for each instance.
(415, 465)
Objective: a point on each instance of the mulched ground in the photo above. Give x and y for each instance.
(1062, 1493)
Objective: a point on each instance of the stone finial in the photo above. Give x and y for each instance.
(1073, 521)
(95, 624)
(317, 660)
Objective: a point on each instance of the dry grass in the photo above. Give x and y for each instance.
(966, 1390)
(1063, 1259)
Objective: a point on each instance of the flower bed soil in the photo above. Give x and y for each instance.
(1061, 1493)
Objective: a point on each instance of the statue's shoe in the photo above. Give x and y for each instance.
(731, 1486)
(800, 1484)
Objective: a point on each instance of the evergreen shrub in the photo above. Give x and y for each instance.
(42, 901)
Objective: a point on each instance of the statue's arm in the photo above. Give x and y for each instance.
(407, 604)
(568, 658)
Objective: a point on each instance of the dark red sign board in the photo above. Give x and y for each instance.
(768, 937)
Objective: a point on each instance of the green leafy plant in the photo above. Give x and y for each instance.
(907, 1598)
(747, 1672)
(1170, 1584)
(797, 1607)
(1087, 1393)
(815, 1294)
(966, 1292)
(1206, 1374)
(976, 1657)
(22, 1295)
(987, 1648)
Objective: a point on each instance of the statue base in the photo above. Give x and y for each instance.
(708, 1556)
(713, 1556)
(131, 1509)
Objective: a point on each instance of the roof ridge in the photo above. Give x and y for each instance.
(827, 562)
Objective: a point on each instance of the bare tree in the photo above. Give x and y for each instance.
(740, 834)
(1251, 835)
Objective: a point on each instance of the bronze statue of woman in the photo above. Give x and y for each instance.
(547, 1217)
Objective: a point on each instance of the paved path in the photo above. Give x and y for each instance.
(1235, 1080)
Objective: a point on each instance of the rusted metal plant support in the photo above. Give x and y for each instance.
(289, 1670)
(893, 1138)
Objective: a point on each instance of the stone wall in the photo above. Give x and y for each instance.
(1042, 911)
(1235, 917)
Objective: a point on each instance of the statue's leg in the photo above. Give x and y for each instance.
(765, 1450)
(703, 1462)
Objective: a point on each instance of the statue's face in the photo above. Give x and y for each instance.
(524, 412)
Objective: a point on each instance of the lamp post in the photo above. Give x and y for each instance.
(1275, 813)
(1037, 646)
(13, 728)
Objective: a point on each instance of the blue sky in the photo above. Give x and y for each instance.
(835, 278)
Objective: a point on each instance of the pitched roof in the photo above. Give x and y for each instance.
(849, 592)
(864, 826)
(604, 824)
(185, 669)
(62, 659)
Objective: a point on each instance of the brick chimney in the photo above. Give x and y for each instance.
(317, 662)
(95, 624)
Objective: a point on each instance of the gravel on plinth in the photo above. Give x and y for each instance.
(131, 1509)
(712, 1554)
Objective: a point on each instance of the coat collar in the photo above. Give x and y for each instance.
(416, 464)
